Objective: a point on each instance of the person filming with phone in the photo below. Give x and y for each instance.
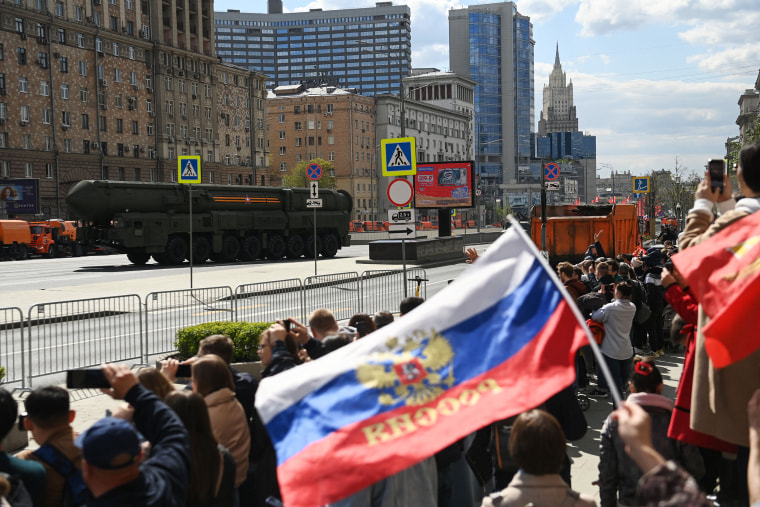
(701, 223)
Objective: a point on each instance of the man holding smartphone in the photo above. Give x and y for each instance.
(720, 396)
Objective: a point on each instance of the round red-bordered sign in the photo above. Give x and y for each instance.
(314, 171)
(400, 192)
(551, 171)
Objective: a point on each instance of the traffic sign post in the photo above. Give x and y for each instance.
(402, 231)
(189, 171)
(641, 184)
(314, 172)
(551, 186)
(400, 192)
(551, 171)
(399, 156)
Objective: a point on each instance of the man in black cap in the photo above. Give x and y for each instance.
(113, 466)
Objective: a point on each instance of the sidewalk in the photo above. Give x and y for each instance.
(585, 452)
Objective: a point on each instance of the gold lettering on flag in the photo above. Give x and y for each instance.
(743, 247)
(403, 424)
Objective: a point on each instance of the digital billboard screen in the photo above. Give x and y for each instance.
(20, 196)
(443, 185)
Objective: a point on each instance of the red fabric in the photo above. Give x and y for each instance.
(685, 305)
(724, 276)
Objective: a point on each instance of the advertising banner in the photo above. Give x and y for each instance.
(443, 185)
(20, 196)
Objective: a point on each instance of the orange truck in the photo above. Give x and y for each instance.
(15, 239)
(570, 230)
(54, 238)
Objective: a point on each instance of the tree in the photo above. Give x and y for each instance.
(296, 177)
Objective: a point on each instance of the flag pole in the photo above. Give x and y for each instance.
(594, 347)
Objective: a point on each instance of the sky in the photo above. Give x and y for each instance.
(657, 82)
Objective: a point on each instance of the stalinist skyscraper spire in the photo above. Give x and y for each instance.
(558, 113)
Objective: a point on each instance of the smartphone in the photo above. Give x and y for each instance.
(716, 168)
(21, 418)
(78, 379)
(286, 323)
(184, 371)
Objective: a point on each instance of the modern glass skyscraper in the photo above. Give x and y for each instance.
(368, 49)
(493, 45)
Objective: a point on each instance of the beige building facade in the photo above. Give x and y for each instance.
(118, 89)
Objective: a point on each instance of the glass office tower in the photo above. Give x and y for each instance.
(493, 45)
(368, 49)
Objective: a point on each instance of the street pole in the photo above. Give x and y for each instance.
(543, 205)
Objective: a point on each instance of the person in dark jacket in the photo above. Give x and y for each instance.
(112, 464)
(566, 273)
(277, 349)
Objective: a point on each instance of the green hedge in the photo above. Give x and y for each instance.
(244, 335)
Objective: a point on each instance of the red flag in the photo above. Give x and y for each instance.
(724, 276)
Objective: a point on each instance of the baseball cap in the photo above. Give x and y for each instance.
(111, 443)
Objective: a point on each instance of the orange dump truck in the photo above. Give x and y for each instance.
(15, 239)
(570, 230)
(53, 238)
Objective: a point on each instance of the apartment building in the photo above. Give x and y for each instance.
(334, 124)
(117, 89)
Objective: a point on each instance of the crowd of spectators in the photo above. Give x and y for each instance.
(204, 444)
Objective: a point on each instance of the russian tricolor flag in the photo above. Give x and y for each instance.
(499, 340)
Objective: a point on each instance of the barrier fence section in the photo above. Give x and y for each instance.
(384, 289)
(168, 311)
(269, 301)
(73, 334)
(12, 345)
(338, 292)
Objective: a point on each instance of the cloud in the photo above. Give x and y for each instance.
(643, 124)
(605, 59)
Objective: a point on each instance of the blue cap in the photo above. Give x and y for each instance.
(111, 443)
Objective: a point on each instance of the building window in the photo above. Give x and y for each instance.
(46, 116)
(24, 110)
(42, 59)
(61, 36)
(282, 150)
(283, 166)
(27, 169)
(282, 118)
(65, 91)
(21, 56)
(85, 121)
(49, 171)
(63, 61)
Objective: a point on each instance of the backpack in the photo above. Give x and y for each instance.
(597, 330)
(502, 458)
(75, 492)
(18, 496)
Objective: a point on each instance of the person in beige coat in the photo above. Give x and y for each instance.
(212, 380)
(537, 445)
(719, 398)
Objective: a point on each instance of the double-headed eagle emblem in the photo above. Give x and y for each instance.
(415, 371)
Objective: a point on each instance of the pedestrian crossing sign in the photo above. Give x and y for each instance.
(189, 169)
(399, 156)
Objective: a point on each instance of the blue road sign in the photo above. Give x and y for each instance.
(551, 171)
(189, 169)
(314, 171)
(399, 156)
(641, 184)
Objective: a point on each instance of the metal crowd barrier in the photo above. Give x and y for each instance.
(58, 336)
(167, 311)
(384, 289)
(269, 301)
(338, 292)
(12, 344)
(86, 332)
